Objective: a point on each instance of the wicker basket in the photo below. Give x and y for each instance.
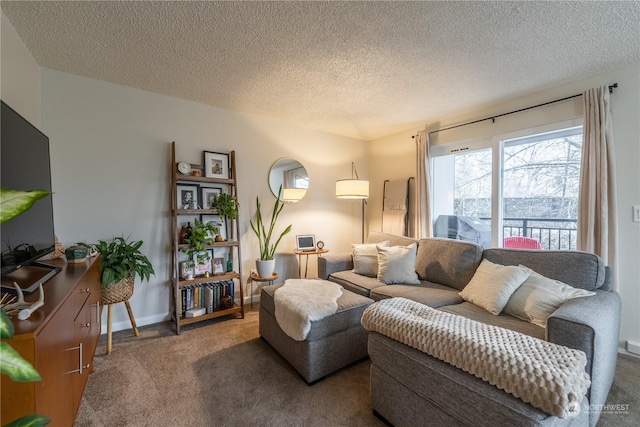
(118, 292)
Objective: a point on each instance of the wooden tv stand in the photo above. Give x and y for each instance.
(59, 339)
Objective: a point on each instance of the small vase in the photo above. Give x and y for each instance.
(265, 267)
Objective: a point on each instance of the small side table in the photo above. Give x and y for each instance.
(260, 283)
(317, 252)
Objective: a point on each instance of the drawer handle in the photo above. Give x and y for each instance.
(97, 312)
(86, 325)
(86, 290)
(81, 366)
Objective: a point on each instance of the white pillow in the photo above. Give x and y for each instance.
(397, 264)
(493, 284)
(539, 297)
(365, 258)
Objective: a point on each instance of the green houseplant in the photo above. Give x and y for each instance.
(226, 205)
(266, 263)
(121, 261)
(201, 236)
(12, 204)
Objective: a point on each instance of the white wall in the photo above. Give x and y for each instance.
(110, 151)
(20, 74)
(394, 157)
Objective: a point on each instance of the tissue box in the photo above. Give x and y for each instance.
(75, 254)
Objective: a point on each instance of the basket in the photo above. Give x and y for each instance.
(118, 292)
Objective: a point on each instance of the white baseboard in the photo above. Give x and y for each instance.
(633, 347)
(126, 324)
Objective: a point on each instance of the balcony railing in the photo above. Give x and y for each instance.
(552, 233)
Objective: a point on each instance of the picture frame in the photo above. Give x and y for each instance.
(203, 269)
(219, 220)
(184, 269)
(187, 196)
(218, 266)
(207, 194)
(216, 165)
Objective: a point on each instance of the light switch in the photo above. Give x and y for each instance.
(636, 213)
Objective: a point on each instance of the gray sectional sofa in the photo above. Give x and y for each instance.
(409, 387)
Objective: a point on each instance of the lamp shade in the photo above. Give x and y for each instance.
(293, 195)
(352, 189)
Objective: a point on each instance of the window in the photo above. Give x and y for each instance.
(510, 185)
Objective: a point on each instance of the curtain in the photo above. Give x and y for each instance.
(423, 227)
(597, 205)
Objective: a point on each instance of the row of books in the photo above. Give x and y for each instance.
(213, 296)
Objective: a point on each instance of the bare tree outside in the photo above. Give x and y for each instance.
(540, 187)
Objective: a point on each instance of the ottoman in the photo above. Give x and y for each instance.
(332, 343)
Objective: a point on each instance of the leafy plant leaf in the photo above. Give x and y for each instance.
(6, 326)
(15, 366)
(34, 420)
(14, 202)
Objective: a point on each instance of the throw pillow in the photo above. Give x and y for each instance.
(365, 258)
(539, 297)
(493, 284)
(397, 264)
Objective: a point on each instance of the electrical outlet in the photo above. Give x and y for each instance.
(636, 213)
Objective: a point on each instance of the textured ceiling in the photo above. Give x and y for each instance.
(360, 69)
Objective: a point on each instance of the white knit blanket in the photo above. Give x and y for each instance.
(301, 301)
(548, 376)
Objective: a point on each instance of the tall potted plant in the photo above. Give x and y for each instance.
(121, 262)
(266, 263)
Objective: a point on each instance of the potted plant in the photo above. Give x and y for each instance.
(121, 262)
(201, 236)
(266, 263)
(226, 205)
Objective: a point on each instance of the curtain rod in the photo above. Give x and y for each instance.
(493, 118)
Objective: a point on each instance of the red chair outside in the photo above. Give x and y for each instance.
(519, 242)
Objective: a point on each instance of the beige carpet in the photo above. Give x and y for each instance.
(220, 373)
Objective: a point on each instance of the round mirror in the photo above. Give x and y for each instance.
(292, 176)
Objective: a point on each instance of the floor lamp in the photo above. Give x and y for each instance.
(354, 188)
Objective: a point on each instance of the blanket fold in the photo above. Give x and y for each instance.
(301, 301)
(548, 376)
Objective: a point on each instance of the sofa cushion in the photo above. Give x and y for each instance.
(474, 312)
(365, 258)
(350, 309)
(447, 261)
(538, 297)
(394, 239)
(427, 293)
(493, 284)
(357, 283)
(578, 269)
(397, 264)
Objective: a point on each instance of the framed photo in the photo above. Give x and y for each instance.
(218, 266)
(216, 165)
(187, 196)
(184, 269)
(220, 221)
(203, 269)
(208, 194)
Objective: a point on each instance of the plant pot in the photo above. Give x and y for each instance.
(118, 292)
(265, 267)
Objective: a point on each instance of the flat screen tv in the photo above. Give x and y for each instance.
(25, 166)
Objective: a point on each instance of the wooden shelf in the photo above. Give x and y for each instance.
(229, 244)
(220, 313)
(232, 246)
(214, 278)
(190, 178)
